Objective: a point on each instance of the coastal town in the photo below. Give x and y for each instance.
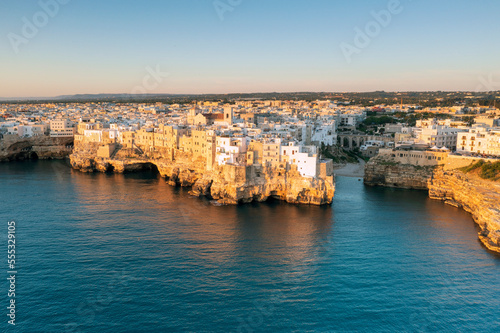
(250, 166)
(255, 150)
(261, 132)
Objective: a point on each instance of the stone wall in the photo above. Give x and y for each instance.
(413, 157)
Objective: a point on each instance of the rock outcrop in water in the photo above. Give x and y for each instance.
(13, 147)
(445, 182)
(228, 184)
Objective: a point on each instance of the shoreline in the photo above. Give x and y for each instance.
(472, 194)
(354, 170)
(350, 170)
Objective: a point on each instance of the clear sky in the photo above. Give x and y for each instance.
(111, 46)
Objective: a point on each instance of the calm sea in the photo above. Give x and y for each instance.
(129, 253)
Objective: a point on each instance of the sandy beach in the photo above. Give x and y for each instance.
(351, 169)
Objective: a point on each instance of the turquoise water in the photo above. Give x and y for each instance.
(129, 253)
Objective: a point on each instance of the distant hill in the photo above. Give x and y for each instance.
(426, 98)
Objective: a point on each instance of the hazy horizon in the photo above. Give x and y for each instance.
(243, 93)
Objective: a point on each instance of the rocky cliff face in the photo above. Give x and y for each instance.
(479, 197)
(262, 183)
(13, 147)
(227, 184)
(379, 172)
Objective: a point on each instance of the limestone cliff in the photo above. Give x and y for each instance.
(262, 183)
(380, 172)
(13, 147)
(228, 184)
(479, 197)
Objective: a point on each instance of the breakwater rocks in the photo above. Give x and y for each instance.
(13, 147)
(228, 184)
(479, 197)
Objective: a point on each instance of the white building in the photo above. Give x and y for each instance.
(61, 128)
(304, 157)
(438, 135)
(346, 119)
(325, 134)
(60, 124)
(230, 150)
(480, 140)
(28, 130)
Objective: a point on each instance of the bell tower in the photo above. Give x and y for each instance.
(228, 114)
